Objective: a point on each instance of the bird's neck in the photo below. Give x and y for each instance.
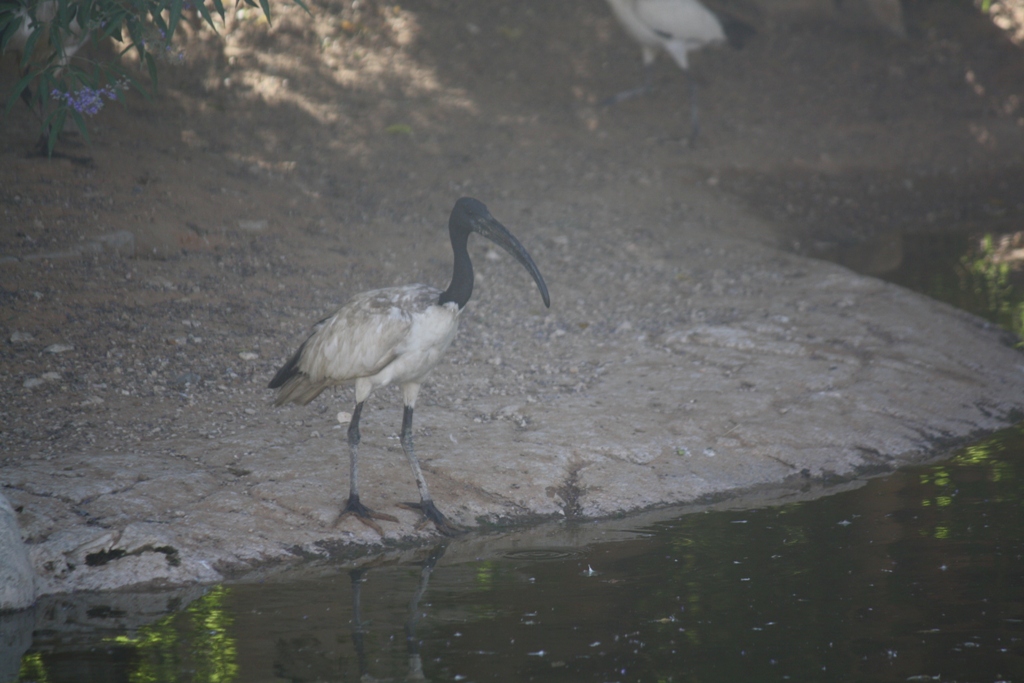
(461, 287)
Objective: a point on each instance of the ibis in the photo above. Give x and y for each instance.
(395, 335)
(678, 27)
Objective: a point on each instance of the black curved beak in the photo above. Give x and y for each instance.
(487, 225)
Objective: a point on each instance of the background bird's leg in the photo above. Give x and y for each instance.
(646, 82)
(426, 504)
(643, 89)
(694, 115)
(354, 507)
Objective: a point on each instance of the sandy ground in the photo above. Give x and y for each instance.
(183, 254)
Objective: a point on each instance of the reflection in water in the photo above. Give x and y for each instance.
(914, 577)
(200, 641)
(877, 255)
(993, 273)
(981, 274)
(412, 644)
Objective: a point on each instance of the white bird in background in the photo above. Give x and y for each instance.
(677, 27)
(397, 334)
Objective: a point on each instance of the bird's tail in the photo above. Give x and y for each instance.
(299, 389)
(289, 370)
(739, 19)
(737, 31)
(295, 386)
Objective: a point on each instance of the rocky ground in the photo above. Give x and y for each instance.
(154, 280)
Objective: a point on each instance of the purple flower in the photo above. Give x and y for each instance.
(85, 100)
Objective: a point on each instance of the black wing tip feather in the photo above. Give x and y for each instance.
(289, 370)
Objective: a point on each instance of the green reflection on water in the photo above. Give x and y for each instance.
(200, 637)
(969, 475)
(912, 575)
(197, 641)
(988, 273)
(33, 669)
(980, 274)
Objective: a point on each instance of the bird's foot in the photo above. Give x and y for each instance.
(364, 514)
(626, 95)
(432, 514)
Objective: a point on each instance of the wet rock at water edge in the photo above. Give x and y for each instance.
(17, 579)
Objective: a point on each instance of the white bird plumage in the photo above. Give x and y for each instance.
(384, 336)
(395, 335)
(678, 27)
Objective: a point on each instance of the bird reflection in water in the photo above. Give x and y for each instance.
(412, 643)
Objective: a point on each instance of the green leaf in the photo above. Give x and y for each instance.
(80, 125)
(265, 4)
(172, 22)
(18, 88)
(56, 41)
(56, 123)
(114, 23)
(63, 17)
(83, 13)
(207, 17)
(158, 19)
(30, 46)
(151, 66)
(9, 25)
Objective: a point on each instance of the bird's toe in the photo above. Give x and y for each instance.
(364, 514)
(432, 515)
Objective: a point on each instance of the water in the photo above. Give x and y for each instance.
(918, 576)
(972, 269)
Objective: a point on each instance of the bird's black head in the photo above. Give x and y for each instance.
(467, 208)
(470, 215)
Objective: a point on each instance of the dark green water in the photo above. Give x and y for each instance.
(971, 269)
(918, 576)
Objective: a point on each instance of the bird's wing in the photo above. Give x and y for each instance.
(364, 335)
(685, 20)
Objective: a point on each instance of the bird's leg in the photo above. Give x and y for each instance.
(353, 446)
(426, 504)
(644, 89)
(647, 87)
(354, 507)
(694, 116)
